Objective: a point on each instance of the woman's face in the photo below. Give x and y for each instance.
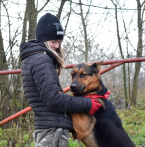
(54, 44)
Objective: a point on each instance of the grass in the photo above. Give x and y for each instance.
(133, 121)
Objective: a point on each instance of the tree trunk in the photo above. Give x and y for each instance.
(3, 61)
(4, 97)
(32, 12)
(121, 52)
(60, 8)
(85, 33)
(128, 69)
(139, 54)
(24, 31)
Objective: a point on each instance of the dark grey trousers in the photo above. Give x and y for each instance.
(53, 137)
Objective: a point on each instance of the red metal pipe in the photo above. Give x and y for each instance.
(124, 60)
(23, 111)
(15, 71)
(15, 116)
(110, 67)
(65, 90)
(72, 65)
(116, 63)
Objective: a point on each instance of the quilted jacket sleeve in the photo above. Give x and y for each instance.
(46, 81)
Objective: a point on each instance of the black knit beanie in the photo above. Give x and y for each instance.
(49, 28)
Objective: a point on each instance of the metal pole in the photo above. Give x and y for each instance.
(16, 71)
(23, 111)
(65, 90)
(114, 63)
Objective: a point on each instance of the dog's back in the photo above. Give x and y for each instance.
(108, 129)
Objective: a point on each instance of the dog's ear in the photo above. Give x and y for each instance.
(97, 65)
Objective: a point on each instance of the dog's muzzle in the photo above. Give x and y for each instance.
(73, 87)
(77, 88)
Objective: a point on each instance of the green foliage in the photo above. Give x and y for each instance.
(17, 103)
(17, 136)
(3, 143)
(75, 143)
(134, 123)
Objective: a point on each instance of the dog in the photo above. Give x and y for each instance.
(104, 127)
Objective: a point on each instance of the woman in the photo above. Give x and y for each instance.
(52, 108)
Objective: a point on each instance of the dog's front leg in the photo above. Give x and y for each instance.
(89, 140)
(83, 124)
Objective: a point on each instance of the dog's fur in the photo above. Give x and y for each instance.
(104, 128)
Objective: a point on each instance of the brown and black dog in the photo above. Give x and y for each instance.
(104, 128)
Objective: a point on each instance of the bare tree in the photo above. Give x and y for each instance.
(61, 8)
(140, 22)
(4, 82)
(121, 52)
(3, 61)
(85, 29)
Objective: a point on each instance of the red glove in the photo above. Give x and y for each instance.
(95, 106)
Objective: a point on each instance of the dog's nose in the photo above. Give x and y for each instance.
(73, 86)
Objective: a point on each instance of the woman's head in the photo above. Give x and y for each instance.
(54, 44)
(58, 53)
(50, 32)
(49, 28)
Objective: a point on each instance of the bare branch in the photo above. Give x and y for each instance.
(60, 8)
(143, 3)
(88, 10)
(113, 3)
(85, 33)
(143, 11)
(68, 18)
(43, 6)
(8, 23)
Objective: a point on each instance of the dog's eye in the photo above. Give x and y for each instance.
(73, 75)
(83, 75)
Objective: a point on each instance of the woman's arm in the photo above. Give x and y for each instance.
(45, 78)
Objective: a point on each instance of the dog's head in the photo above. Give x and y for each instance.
(86, 79)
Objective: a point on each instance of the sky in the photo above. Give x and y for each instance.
(101, 22)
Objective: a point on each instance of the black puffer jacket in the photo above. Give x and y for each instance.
(41, 85)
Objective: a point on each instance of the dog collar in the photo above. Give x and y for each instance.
(105, 96)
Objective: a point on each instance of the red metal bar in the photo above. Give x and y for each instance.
(15, 115)
(72, 65)
(65, 90)
(114, 63)
(124, 60)
(110, 67)
(5, 72)
(23, 111)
